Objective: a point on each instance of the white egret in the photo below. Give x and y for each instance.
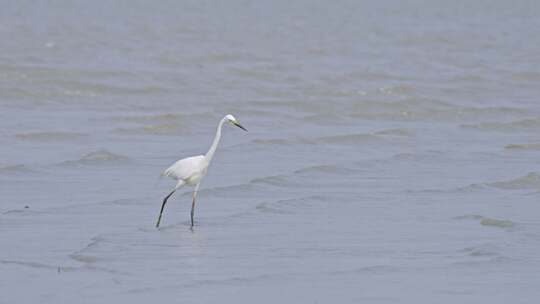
(190, 171)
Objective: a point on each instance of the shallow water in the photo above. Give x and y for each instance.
(392, 153)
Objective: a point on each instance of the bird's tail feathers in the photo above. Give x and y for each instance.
(166, 172)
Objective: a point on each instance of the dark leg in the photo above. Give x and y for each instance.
(193, 203)
(163, 206)
(192, 210)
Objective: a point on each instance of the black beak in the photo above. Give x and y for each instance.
(240, 126)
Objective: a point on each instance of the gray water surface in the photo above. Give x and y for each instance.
(392, 154)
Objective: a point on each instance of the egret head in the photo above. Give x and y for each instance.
(231, 120)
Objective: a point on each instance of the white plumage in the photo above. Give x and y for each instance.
(187, 170)
(190, 171)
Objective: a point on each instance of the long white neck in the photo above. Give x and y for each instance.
(212, 150)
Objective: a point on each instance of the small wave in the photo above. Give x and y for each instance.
(37, 265)
(401, 90)
(165, 118)
(289, 206)
(275, 180)
(486, 221)
(97, 157)
(395, 132)
(287, 103)
(430, 155)
(324, 118)
(84, 258)
(268, 208)
(406, 156)
(497, 260)
(24, 212)
(86, 88)
(529, 181)
(305, 201)
(471, 188)
(126, 202)
(274, 141)
(227, 190)
(533, 77)
(331, 92)
(347, 139)
(469, 217)
(327, 169)
(496, 223)
(81, 255)
(376, 269)
(50, 136)
(369, 270)
(535, 146)
(531, 124)
(102, 155)
(218, 58)
(427, 110)
(150, 118)
(15, 169)
(253, 74)
(481, 251)
(160, 129)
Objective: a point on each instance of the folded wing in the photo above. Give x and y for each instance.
(184, 168)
